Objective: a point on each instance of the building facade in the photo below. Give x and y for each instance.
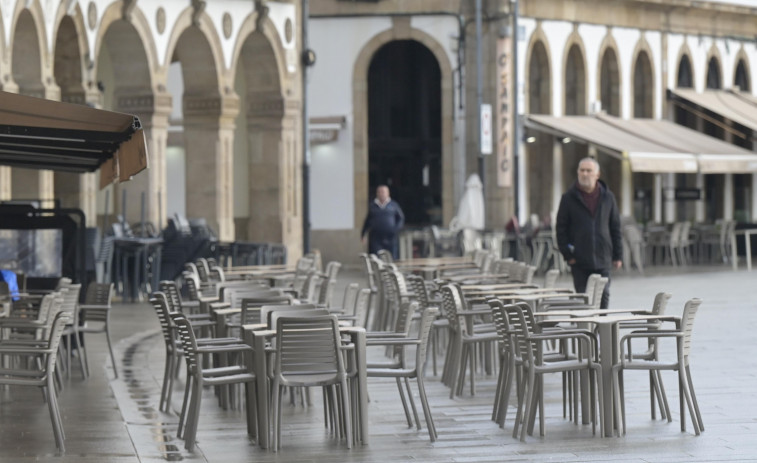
(217, 85)
(403, 76)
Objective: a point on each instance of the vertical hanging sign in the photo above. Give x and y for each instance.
(486, 129)
(503, 109)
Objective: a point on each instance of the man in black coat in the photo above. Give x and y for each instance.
(383, 223)
(588, 228)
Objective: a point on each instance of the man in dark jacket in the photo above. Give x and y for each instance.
(383, 223)
(588, 228)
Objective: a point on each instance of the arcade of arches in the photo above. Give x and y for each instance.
(196, 118)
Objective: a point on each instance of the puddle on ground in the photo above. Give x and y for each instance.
(163, 433)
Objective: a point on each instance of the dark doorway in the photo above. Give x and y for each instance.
(405, 129)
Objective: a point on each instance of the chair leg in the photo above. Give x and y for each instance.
(193, 416)
(412, 404)
(167, 372)
(52, 405)
(426, 409)
(528, 401)
(404, 403)
(110, 348)
(694, 399)
(618, 402)
(183, 416)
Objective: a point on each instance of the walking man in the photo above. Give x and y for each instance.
(588, 228)
(383, 223)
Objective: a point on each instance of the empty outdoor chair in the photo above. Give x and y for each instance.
(197, 377)
(308, 352)
(94, 317)
(43, 376)
(417, 371)
(680, 363)
(530, 347)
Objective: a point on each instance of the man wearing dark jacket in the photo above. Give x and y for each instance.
(588, 228)
(383, 223)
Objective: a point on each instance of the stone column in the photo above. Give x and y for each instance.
(699, 215)
(275, 171)
(669, 184)
(626, 188)
(557, 167)
(753, 209)
(657, 198)
(209, 135)
(728, 196)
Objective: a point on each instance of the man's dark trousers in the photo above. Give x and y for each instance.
(581, 276)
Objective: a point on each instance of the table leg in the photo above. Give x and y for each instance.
(362, 384)
(607, 357)
(734, 254)
(261, 368)
(748, 249)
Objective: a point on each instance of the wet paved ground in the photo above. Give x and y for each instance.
(116, 420)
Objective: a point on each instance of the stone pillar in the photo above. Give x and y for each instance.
(153, 110)
(699, 214)
(657, 195)
(753, 209)
(209, 135)
(728, 196)
(557, 167)
(626, 188)
(6, 191)
(669, 184)
(275, 171)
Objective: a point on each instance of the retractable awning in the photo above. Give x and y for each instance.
(734, 106)
(714, 156)
(652, 145)
(43, 134)
(643, 154)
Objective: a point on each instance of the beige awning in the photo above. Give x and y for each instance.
(45, 134)
(731, 105)
(644, 154)
(714, 156)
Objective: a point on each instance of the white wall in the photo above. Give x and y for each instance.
(337, 44)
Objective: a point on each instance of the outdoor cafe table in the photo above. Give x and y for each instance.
(609, 349)
(257, 338)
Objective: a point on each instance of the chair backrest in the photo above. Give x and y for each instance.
(504, 334)
(385, 255)
(452, 304)
(192, 283)
(350, 296)
(251, 307)
(267, 311)
(591, 283)
(171, 291)
(71, 298)
(675, 234)
(188, 343)
(417, 285)
(99, 294)
(308, 350)
(660, 303)
(550, 278)
(203, 270)
(428, 316)
(159, 302)
(362, 302)
(596, 296)
(59, 324)
(369, 274)
(687, 324)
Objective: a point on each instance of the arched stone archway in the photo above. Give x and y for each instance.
(741, 75)
(404, 129)
(73, 190)
(714, 79)
(401, 31)
(574, 105)
(270, 152)
(609, 82)
(27, 57)
(126, 64)
(643, 86)
(207, 119)
(539, 151)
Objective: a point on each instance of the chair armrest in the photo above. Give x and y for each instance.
(223, 348)
(391, 342)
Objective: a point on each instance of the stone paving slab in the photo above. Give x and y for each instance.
(108, 420)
